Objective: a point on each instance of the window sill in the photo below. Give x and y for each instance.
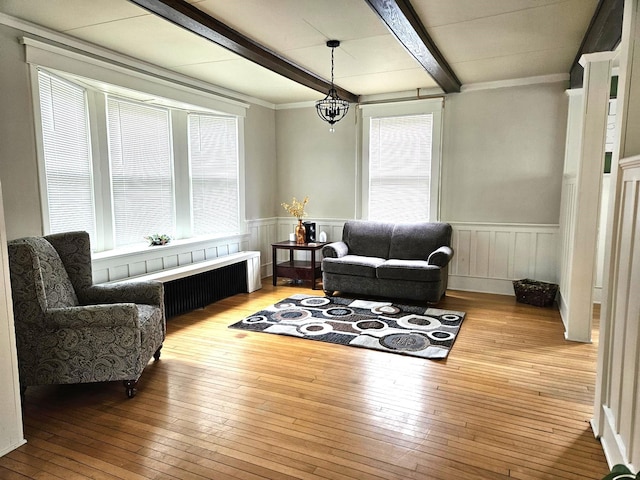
(143, 249)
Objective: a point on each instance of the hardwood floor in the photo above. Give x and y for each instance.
(512, 400)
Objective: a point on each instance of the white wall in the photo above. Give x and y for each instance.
(313, 161)
(18, 168)
(260, 163)
(503, 153)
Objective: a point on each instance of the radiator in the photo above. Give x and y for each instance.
(197, 291)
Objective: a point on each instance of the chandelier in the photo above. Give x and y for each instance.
(332, 108)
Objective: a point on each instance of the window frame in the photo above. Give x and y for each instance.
(434, 106)
(40, 148)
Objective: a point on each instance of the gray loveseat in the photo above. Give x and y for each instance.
(393, 260)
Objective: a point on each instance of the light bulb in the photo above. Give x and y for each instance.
(332, 129)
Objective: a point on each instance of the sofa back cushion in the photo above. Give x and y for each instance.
(415, 241)
(370, 239)
(74, 249)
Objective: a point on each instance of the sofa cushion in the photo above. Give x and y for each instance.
(414, 270)
(416, 241)
(369, 239)
(355, 265)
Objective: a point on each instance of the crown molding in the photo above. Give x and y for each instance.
(516, 82)
(70, 43)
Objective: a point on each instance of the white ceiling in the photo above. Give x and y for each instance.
(483, 40)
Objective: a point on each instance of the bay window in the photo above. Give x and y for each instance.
(122, 169)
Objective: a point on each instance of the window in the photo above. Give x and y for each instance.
(123, 169)
(213, 161)
(141, 171)
(67, 156)
(401, 161)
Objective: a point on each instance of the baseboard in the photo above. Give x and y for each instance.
(564, 310)
(480, 284)
(12, 447)
(597, 294)
(612, 443)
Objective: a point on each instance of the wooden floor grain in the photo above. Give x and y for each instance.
(512, 400)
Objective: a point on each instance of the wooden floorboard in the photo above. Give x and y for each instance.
(512, 400)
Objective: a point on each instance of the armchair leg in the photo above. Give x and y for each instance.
(130, 387)
(156, 356)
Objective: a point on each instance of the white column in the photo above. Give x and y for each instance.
(582, 252)
(575, 122)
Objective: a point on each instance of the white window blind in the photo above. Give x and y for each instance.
(213, 158)
(140, 155)
(67, 155)
(400, 149)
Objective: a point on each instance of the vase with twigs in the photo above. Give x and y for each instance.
(296, 209)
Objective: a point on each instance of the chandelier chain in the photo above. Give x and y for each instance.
(332, 49)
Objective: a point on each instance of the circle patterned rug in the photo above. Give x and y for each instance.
(407, 329)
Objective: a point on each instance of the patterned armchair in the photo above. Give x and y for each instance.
(71, 331)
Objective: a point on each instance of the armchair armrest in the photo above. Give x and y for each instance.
(335, 250)
(440, 257)
(148, 292)
(112, 315)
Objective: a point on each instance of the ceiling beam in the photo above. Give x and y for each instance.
(196, 21)
(604, 34)
(403, 21)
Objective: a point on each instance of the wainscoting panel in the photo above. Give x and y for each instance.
(111, 266)
(488, 257)
(567, 223)
(620, 402)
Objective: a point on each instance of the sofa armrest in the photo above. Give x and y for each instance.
(148, 292)
(98, 316)
(335, 250)
(441, 257)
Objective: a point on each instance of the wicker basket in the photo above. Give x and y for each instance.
(533, 292)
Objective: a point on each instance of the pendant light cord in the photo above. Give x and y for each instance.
(332, 49)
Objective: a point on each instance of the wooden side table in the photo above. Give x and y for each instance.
(297, 269)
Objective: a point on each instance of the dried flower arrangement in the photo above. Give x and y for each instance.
(296, 208)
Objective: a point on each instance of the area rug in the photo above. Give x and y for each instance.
(409, 330)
